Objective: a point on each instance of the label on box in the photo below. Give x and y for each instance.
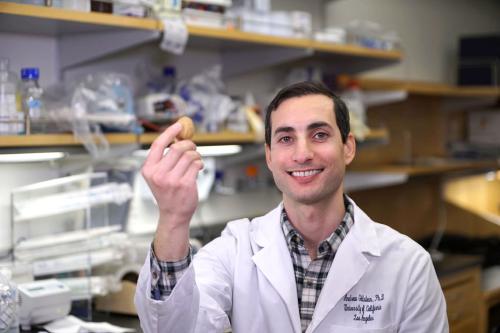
(175, 35)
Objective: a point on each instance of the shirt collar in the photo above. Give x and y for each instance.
(331, 243)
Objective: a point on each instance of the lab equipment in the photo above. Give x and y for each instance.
(17, 173)
(60, 226)
(43, 301)
(11, 121)
(8, 305)
(31, 96)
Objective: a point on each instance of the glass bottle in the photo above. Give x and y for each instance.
(31, 96)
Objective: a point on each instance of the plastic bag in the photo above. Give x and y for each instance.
(99, 102)
(207, 103)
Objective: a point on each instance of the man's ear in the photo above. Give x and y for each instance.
(349, 149)
(268, 155)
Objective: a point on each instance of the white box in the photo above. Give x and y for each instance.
(484, 127)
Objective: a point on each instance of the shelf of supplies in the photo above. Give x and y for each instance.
(427, 88)
(377, 134)
(421, 169)
(20, 18)
(225, 137)
(355, 50)
(234, 35)
(45, 140)
(40, 140)
(246, 37)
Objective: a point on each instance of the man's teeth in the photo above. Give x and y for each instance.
(305, 173)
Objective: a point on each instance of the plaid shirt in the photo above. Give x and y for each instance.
(310, 275)
(165, 274)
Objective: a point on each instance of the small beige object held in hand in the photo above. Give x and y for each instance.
(187, 131)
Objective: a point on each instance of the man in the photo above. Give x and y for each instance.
(316, 263)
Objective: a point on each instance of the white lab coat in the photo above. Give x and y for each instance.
(380, 282)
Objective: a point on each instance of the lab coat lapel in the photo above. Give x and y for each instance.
(274, 262)
(349, 265)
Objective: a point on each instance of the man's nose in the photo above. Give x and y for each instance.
(303, 151)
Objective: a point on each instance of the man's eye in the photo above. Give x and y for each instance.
(321, 135)
(285, 139)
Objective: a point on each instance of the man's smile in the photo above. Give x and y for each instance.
(305, 173)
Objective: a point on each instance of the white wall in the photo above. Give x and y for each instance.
(429, 29)
(24, 50)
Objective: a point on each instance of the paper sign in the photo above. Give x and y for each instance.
(175, 35)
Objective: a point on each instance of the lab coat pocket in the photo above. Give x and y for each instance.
(345, 329)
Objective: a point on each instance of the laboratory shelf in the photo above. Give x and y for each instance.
(429, 168)
(249, 37)
(83, 37)
(40, 140)
(19, 18)
(45, 140)
(224, 137)
(234, 35)
(428, 88)
(377, 134)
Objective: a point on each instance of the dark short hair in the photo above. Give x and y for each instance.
(309, 88)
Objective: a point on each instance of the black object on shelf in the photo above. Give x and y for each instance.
(101, 6)
(479, 60)
(485, 73)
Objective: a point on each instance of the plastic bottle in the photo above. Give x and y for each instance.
(169, 77)
(353, 98)
(8, 107)
(166, 83)
(9, 317)
(31, 96)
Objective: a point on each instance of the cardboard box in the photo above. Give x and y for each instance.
(484, 127)
(120, 302)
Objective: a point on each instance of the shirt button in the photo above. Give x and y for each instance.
(155, 275)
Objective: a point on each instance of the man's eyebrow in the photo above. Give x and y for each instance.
(284, 129)
(318, 124)
(310, 127)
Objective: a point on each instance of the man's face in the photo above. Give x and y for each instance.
(307, 156)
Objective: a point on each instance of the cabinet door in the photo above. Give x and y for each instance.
(463, 295)
(464, 325)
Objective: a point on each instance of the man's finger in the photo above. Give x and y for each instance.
(162, 142)
(192, 172)
(183, 164)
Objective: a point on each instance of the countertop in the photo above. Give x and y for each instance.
(454, 263)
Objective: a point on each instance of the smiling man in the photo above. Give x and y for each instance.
(316, 263)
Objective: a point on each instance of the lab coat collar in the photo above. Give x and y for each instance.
(267, 230)
(350, 263)
(364, 232)
(273, 259)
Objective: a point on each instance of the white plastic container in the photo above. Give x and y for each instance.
(79, 5)
(8, 107)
